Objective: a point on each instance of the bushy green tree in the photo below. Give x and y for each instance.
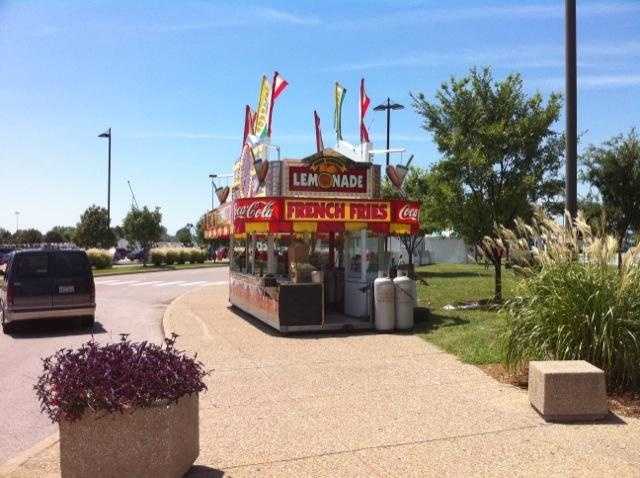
(54, 236)
(5, 236)
(93, 229)
(27, 236)
(183, 235)
(500, 156)
(143, 227)
(613, 168)
(67, 233)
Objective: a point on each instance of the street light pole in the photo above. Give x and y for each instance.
(17, 213)
(107, 134)
(388, 106)
(571, 173)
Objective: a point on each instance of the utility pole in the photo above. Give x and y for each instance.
(571, 87)
(107, 134)
(17, 213)
(388, 106)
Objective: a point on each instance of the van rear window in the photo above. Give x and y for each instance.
(32, 265)
(71, 264)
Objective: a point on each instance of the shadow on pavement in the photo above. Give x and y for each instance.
(33, 329)
(199, 471)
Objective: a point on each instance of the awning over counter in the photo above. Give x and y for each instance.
(324, 215)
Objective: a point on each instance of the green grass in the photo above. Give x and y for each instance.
(472, 335)
(138, 268)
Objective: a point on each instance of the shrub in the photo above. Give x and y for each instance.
(116, 377)
(157, 256)
(99, 258)
(202, 256)
(183, 255)
(171, 256)
(194, 255)
(574, 305)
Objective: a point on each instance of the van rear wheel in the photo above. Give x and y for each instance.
(6, 327)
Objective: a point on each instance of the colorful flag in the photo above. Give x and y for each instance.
(278, 86)
(248, 127)
(363, 107)
(339, 95)
(319, 143)
(261, 127)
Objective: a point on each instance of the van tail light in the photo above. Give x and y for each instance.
(11, 293)
(92, 291)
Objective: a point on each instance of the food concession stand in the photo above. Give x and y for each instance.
(307, 240)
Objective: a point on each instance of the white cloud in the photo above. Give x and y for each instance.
(281, 16)
(589, 82)
(496, 10)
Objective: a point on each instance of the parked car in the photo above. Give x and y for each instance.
(43, 284)
(136, 255)
(4, 254)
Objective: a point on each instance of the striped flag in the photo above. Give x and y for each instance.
(263, 112)
(339, 95)
(364, 106)
(319, 143)
(278, 86)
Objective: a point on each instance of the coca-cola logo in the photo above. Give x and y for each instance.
(255, 210)
(409, 212)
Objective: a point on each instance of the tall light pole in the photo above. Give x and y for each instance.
(571, 87)
(17, 213)
(107, 134)
(213, 189)
(388, 106)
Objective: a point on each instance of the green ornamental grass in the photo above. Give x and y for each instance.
(576, 305)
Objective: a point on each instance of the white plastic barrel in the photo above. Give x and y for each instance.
(384, 300)
(405, 301)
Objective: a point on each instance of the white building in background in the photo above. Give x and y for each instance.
(436, 248)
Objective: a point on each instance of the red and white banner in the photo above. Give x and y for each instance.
(363, 107)
(406, 212)
(278, 86)
(257, 209)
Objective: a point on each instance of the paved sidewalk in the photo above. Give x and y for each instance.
(364, 405)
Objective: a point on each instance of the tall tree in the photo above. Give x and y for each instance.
(143, 227)
(613, 168)
(500, 156)
(93, 229)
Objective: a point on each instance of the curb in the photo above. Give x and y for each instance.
(17, 461)
(167, 269)
(173, 303)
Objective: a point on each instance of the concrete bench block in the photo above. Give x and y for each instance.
(567, 390)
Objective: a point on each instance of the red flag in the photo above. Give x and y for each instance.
(247, 124)
(277, 87)
(319, 143)
(364, 106)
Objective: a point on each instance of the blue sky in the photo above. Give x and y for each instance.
(172, 78)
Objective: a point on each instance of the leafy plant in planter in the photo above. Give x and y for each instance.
(120, 406)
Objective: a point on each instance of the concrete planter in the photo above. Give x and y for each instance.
(160, 441)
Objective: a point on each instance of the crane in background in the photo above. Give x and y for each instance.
(134, 203)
